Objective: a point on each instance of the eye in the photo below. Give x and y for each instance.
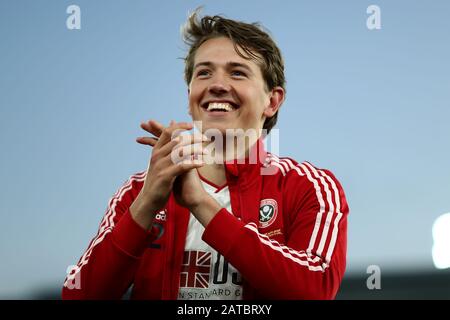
(203, 73)
(238, 73)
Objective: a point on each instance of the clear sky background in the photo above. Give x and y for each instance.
(372, 106)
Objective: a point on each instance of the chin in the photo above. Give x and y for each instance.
(214, 128)
(220, 126)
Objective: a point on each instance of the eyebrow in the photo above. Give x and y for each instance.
(228, 65)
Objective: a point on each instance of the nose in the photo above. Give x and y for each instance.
(218, 85)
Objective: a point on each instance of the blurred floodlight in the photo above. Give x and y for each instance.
(441, 242)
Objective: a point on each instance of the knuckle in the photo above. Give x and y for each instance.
(175, 140)
(166, 131)
(161, 174)
(175, 154)
(176, 132)
(155, 154)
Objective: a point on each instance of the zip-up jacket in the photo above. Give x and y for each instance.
(286, 235)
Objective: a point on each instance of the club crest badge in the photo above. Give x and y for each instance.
(268, 211)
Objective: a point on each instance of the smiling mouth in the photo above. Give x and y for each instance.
(220, 107)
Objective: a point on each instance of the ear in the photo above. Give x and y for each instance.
(276, 99)
(189, 107)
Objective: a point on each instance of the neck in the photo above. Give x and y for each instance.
(214, 173)
(214, 170)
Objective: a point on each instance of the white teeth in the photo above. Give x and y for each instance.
(219, 106)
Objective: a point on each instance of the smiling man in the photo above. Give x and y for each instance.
(251, 226)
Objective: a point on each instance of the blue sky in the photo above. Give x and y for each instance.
(371, 106)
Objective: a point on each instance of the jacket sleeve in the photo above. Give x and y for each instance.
(107, 268)
(311, 264)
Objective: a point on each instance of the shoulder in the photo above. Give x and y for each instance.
(137, 177)
(131, 187)
(303, 176)
(134, 181)
(307, 186)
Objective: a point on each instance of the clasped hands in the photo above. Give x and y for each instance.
(172, 167)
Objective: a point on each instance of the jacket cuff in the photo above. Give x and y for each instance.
(130, 237)
(222, 231)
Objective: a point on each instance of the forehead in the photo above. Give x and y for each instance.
(222, 51)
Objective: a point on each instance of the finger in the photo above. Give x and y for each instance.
(168, 147)
(173, 130)
(186, 139)
(175, 157)
(179, 154)
(153, 127)
(183, 167)
(147, 141)
(170, 169)
(157, 125)
(180, 141)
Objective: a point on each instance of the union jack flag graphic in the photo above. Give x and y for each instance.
(195, 269)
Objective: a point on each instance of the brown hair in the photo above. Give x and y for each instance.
(251, 38)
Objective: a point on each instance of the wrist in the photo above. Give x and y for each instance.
(145, 203)
(205, 210)
(143, 211)
(204, 201)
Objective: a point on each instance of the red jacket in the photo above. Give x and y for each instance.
(296, 251)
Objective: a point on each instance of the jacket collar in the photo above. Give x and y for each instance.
(247, 170)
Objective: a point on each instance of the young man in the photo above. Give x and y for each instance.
(228, 229)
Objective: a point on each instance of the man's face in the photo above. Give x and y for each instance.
(226, 90)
